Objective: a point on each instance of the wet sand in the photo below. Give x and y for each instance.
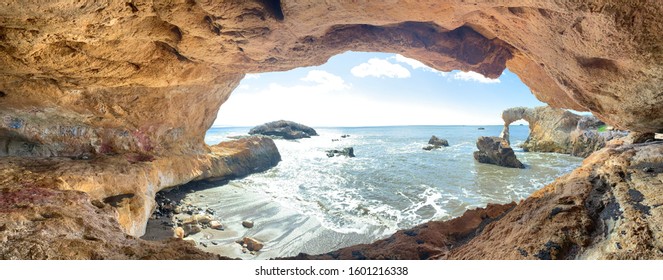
(283, 231)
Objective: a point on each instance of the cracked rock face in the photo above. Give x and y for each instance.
(134, 85)
(90, 77)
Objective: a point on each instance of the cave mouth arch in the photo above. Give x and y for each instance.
(147, 78)
(336, 194)
(373, 89)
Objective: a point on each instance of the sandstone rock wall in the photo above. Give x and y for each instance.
(128, 76)
(108, 80)
(131, 186)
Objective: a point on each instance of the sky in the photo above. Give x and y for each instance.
(373, 89)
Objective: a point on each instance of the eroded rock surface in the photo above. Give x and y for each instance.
(131, 187)
(559, 131)
(41, 222)
(113, 98)
(495, 150)
(144, 76)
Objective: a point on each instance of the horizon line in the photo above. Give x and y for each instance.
(361, 126)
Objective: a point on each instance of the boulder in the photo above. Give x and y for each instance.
(252, 244)
(348, 152)
(284, 129)
(436, 143)
(495, 150)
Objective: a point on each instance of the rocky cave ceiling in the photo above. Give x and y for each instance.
(149, 76)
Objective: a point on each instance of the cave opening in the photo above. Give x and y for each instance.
(385, 107)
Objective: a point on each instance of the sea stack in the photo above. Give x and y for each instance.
(284, 129)
(495, 150)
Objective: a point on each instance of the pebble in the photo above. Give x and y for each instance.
(252, 244)
(178, 232)
(191, 229)
(215, 225)
(203, 219)
(247, 224)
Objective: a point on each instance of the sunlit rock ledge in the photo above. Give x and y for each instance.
(130, 186)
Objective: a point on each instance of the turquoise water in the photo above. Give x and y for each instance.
(393, 183)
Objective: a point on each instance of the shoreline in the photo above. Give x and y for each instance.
(283, 231)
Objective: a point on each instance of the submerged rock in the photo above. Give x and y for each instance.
(495, 150)
(284, 129)
(436, 143)
(348, 152)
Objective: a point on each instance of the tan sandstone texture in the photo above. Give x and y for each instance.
(112, 98)
(559, 131)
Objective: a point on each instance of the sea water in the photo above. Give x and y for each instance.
(391, 184)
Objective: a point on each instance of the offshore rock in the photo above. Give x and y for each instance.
(495, 150)
(347, 152)
(436, 143)
(284, 129)
(559, 131)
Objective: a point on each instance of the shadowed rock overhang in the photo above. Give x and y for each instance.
(139, 76)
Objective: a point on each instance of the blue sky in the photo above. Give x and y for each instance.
(373, 89)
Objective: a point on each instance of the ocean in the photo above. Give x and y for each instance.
(314, 204)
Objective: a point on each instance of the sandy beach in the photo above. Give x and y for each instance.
(283, 231)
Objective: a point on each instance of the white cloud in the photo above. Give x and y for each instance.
(317, 105)
(474, 77)
(416, 64)
(380, 68)
(326, 80)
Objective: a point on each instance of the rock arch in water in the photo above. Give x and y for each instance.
(80, 78)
